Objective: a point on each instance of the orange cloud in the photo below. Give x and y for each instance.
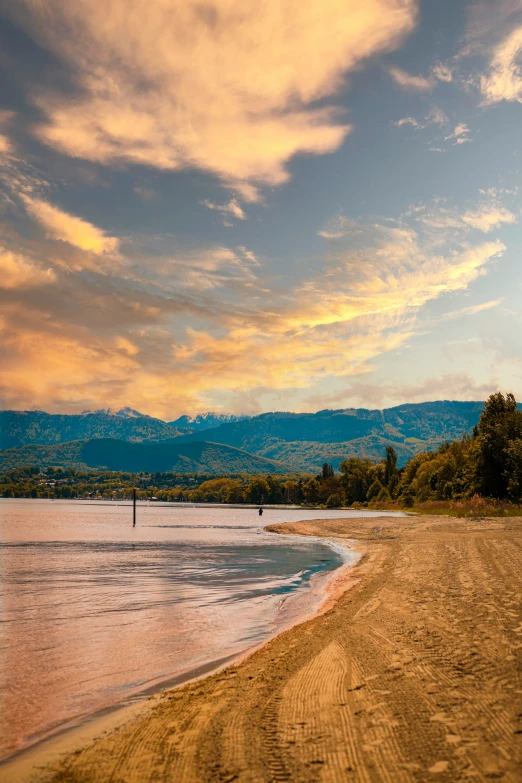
(5, 144)
(228, 86)
(94, 346)
(19, 272)
(68, 228)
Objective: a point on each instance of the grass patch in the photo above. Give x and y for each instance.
(475, 506)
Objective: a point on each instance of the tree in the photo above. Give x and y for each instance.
(374, 490)
(311, 491)
(514, 469)
(391, 474)
(275, 494)
(333, 501)
(383, 496)
(258, 490)
(355, 478)
(500, 423)
(328, 471)
(408, 497)
(234, 493)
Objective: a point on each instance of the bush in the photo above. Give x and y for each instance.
(333, 501)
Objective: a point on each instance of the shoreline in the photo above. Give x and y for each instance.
(413, 674)
(18, 766)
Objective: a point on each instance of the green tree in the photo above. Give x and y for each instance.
(408, 496)
(500, 423)
(383, 496)
(391, 474)
(513, 473)
(275, 491)
(355, 478)
(328, 471)
(334, 501)
(258, 491)
(311, 491)
(374, 490)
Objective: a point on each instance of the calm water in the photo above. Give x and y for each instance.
(92, 611)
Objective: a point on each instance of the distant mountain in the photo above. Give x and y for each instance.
(150, 457)
(122, 413)
(205, 421)
(302, 440)
(306, 440)
(20, 428)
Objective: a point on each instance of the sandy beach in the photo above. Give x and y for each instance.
(414, 673)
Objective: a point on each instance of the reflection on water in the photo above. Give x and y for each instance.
(92, 610)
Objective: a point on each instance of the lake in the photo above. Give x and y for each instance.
(94, 612)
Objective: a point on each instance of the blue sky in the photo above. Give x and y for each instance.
(239, 207)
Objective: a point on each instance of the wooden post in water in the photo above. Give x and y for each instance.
(134, 507)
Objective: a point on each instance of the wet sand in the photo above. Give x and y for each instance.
(413, 674)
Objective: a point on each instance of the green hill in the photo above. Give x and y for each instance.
(20, 428)
(308, 456)
(301, 440)
(306, 440)
(150, 457)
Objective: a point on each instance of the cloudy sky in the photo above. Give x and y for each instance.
(243, 206)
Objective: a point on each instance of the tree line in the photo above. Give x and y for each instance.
(485, 463)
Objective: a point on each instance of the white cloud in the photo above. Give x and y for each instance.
(473, 309)
(503, 82)
(460, 134)
(443, 72)
(230, 209)
(435, 116)
(409, 82)
(408, 121)
(487, 217)
(340, 226)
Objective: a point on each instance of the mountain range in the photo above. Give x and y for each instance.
(21, 428)
(295, 441)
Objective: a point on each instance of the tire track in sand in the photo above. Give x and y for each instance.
(413, 676)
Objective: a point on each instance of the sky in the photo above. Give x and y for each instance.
(239, 206)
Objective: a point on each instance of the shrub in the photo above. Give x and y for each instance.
(333, 501)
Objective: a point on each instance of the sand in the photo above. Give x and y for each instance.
(412, 674)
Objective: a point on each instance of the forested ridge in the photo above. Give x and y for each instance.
(486, 464)
(302, 441)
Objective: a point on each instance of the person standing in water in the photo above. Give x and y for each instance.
(260, 512)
